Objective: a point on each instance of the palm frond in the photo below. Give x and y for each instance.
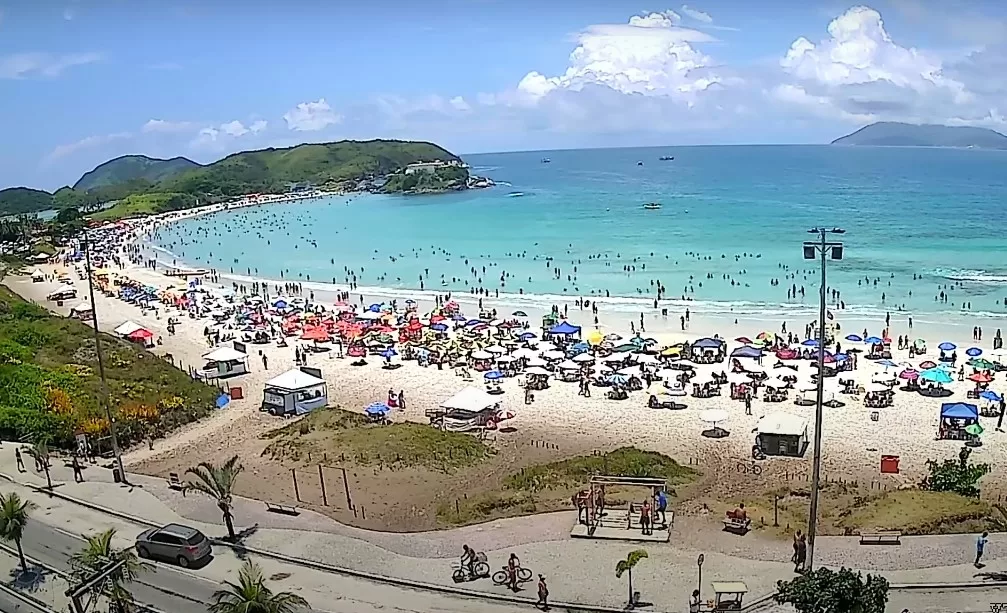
(251, 593)
(632, 559)
(14, 513)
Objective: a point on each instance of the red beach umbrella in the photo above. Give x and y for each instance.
(318, 333)
(743, 340)
(980, 377)
(928, 364)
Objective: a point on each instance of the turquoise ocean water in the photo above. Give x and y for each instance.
(728, 214)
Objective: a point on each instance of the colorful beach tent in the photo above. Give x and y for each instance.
(708, 343)
(564, 327)
(127, 327)
(142, 334)
(747, 352)
(959, 410)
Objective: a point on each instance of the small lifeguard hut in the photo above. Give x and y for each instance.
(295, 392)
(598, 518)
(225, 362)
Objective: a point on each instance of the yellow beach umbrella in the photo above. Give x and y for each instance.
(595, 337)
(673, 350)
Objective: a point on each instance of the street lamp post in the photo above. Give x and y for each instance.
(101, 361)
(821, 248)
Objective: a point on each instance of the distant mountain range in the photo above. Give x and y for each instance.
(132, 168)
(894, 134)
(179, 182)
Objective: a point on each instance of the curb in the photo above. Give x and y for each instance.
(26, 598)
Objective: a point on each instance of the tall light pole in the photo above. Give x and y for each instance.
(821, 248)
(101, 361)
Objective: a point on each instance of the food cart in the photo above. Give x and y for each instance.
(727, 595)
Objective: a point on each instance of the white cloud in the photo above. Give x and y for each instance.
(650, 55)
(24, 65)
(68, 14)
(311, 116)
(860, 71)
(697, 14)
(234, 128)
(89, 142)
(166, 127)
(258, 126)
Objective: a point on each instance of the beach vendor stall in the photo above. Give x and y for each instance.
(295, 392)
(470, 409)
(83, 311)
(782, 434)
(37, 276)
(956, 417)
(61, 294)
(225, 362)
(708, 351)
(126, 328)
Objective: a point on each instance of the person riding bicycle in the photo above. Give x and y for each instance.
(513, 566)
(468, 560)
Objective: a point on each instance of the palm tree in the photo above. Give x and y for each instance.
(96, 555)
(14, 514)
(252, 595)
(40, 451)
(217, 482)
(626, 566)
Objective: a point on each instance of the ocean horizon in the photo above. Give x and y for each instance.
(727, 239)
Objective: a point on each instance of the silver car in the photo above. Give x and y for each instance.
(175, 543)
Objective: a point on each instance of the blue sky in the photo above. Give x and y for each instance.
(82, 81)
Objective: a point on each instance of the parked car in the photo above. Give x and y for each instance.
(174, 543)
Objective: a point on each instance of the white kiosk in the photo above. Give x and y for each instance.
(295, 392)
(225, 362)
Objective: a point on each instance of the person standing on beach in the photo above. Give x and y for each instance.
(981, 548)
(543, 594)
(19, 460)
(802, 553)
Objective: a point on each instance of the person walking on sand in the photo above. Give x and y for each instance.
(981, 548)
(543, 594)
(802, 553)
(645, 518)
(19, 459)
(78, 476)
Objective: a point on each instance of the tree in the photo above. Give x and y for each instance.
(40, 451)
(251, 595)
(824, 590)
(626, 566)
(14, 514)
(217, 482)
(960, 477)
(97, 554)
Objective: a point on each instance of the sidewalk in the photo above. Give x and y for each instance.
(578, 570)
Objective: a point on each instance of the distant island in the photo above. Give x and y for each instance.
(894, 134)
(140, 184)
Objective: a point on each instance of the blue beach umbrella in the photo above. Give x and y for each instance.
(493, 375)
(946, 346)
(887, 363)
(853, 338)
(991, 396)
(389, 353)
(473, 322)
(280, 304)
(525, 336)
(458, 317)
(973, 352)
(617, 379)
(438, 327)
(378, 408)
(937, 375)
(374, 308)
(810, 343)
(873, 340)
(840, 357)
(519, 314)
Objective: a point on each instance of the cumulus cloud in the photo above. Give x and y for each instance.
(233, 128)
(258, 126)
(89, 142)
(860, 72)
(166, 127)
(649, 55)
(697, 14)
(31, 64)
(311, 116)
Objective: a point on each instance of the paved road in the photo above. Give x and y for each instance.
(12, 604)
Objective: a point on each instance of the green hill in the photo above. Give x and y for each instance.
(322, 164)
(894, 134)
(20, 200)
(132, 168)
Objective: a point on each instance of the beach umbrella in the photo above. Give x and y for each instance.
(378, 409)
(974, 429)
(438, 327)
(673, 350)
(595, 337)
(937, 375)
(536, 362)
(909, 375)
(554, 354)
(853, 338)
(624, 348)
(617, 379)
(810, 343)
(519, 314)
(991, 396)
(646, 358)
(973, 352)
(613, 337)
(981, 364)
(744, 340)
(374, 308)
(713, 416)
(493, 375)
(583, 357)
(497, 349)
(389, 353)
(928, 364)
(766, 336)
(280, 304)
(980, 377)
(946, 346)
(526, 336)
(887, 364)
(537, 370)
(568, 365)
(873, 340)
(458, 317)
(840, 357)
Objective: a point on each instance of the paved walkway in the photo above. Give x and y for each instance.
(578, 570)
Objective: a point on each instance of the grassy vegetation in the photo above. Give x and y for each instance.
(132, 168)
(338, 434)
(548, 487)
(145, 204)
(50, 389)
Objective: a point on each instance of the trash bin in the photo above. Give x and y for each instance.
(116, 475)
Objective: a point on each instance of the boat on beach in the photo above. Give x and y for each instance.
(652, 206)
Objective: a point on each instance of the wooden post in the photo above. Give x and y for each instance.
(776, 511)
(321, 481)
(293, 475)
(346, 488)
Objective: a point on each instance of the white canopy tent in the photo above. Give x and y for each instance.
(782, 433)
(127, 327)
(227, 362)
(295, 391)
(471, 399)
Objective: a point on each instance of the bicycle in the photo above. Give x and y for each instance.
(502, 576)
(480, 569)
(753, 468)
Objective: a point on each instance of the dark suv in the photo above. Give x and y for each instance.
(176, 543)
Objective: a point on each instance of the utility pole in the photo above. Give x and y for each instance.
(822, 248)
(101, 361)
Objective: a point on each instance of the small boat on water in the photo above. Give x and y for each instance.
(546, 160)
(666, 158)
(515, 194)
(652, 206)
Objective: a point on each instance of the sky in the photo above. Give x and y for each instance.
(82, 81)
